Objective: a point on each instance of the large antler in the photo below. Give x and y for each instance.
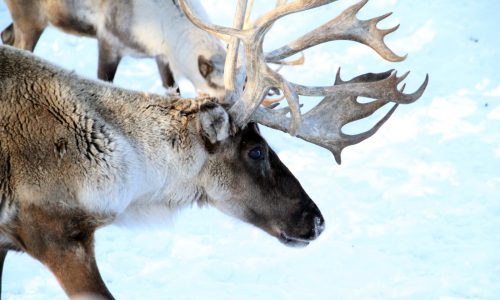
(323, 124)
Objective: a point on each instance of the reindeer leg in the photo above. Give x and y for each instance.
(28, 24)
(3, 253)
(167, 77)
(25, 38)
(109, 59)
(63, 240)
(8, 35)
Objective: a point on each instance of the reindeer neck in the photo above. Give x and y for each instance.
(143, 117)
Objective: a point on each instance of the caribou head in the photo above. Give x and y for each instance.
(278, 204)
(244, 177)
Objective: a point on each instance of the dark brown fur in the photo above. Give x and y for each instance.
(63, 240)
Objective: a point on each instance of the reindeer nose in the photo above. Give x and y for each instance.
(319, 226)
(313, 221)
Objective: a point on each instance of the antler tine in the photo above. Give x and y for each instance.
(346, 26)
(249, 11)
(336, 146)
(294, 62)
(368, 77)
(287, 8)
(218, 31)
(383, 89)
(272, 103)
(233, 82)
(322, 125)
(233, 90)
(363, 110)
(248, 14)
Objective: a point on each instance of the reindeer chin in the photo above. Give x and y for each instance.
(292, 242)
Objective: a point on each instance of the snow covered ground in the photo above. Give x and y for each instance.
(412, 213)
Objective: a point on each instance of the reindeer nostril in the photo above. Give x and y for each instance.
(319, 226)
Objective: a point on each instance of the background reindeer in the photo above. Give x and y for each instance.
(155, 29)
(102, 139)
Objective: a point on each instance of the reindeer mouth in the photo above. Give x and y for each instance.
(292, 241)
(303, 239)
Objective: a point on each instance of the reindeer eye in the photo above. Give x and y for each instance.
(256, 153)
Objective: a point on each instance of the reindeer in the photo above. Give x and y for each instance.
(155, 29)
(77, 155)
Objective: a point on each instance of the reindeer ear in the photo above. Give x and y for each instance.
(214, 123)
(205, 66)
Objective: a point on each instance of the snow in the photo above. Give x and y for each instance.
(412, 213)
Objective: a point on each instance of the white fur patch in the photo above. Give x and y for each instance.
(145, 189)
(163, 31)
(111, 190)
